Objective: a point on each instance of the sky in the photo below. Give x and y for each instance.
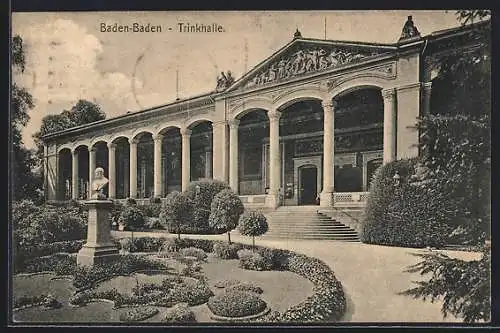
(69, 57)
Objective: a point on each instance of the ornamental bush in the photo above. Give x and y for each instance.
(132, 218)
(191, 291)
(138, 314)
(253, 261)
(224, 250)
(60, 264)
(152, 209)
(199, 254)
(411, 214)
(176, 214)
(236, 303)
(225, 212)
(180, 314)
(252, 223)
(245, 286)
(200, 194)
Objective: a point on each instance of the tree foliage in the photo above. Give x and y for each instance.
(464, 286)
(225, 212)
(176, 213)
(253, 223)
(24, 182)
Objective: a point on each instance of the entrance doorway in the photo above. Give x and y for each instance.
(308, 185)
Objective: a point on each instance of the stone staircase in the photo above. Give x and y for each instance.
(305, 222)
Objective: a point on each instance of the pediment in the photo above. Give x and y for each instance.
(303, 57)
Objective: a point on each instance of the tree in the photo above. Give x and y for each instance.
(176, 212)
(24, 181)
(225, 212)
(252, 223)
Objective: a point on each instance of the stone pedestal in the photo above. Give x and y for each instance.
(326, 199)
(99, 247)
(273, 200)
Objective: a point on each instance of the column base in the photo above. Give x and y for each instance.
(273, 200)
(326, 199)
(91, 255)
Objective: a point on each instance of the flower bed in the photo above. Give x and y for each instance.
(86, 277)
(60, 264)
(236, 303)
(24, 302)
(138, 314)
(224, 250)
(199, 254)
(179, 314)
(226, 283)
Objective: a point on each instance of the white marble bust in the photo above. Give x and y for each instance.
(98, 184)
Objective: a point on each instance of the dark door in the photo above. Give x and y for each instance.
(308, 182)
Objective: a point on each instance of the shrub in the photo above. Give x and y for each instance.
(411, 214)
(463, 286)
(200, 194)
(175, 244)
(152, 209)
(252, 223)
(226, 251)
(142, 244)
(191, 291)
(180, 314)
(236, 304)
(153, 223)
(176, 213)
(155, 200)
(225, 212)
(132, 217)
(138, 314)
(199, 254)
(245, 286)
(116, 211)
(253, 261)
(131, 202)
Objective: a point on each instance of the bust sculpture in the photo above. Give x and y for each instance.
(98, 184)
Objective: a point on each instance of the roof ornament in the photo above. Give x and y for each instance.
(224, 81)
(410, 31)
(297, 34)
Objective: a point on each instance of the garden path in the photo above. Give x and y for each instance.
(371, 275)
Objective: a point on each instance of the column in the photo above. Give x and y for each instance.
(389, 125)
(92, 167)
(409, 105)
(186, 157)
(133, 168)
(426, 98)
(233, 155)
(112, 170)
(74, 175)
(158, 139)
(208, 164)
(274, 159)
(326, 196)
(220, 152)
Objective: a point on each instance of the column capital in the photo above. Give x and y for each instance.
(158, 137)
(274, 115)
(329, 105)
(133, 141)
(427, 85)
(74, 152)
(219, 123)
(93, 150)
(234, 123)
(185, 132)
(388, 93)
(111, 145)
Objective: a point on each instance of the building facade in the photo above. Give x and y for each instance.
(309, 125)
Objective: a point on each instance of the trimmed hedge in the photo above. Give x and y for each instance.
(142, 244)
(410, 214)
(236, 303)
(132, 217)
(175, 244)
(245, 286)
(199, 254)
